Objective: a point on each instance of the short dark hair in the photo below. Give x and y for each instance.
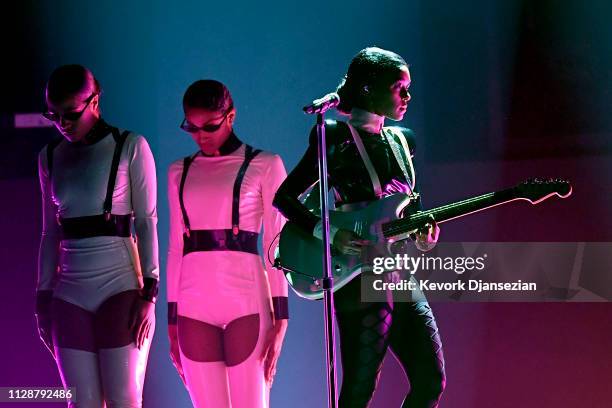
(208, 94)
(368, 68)
(67, 81)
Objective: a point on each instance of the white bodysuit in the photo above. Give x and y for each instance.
(86, 272)
(80, 177)
(218, 287)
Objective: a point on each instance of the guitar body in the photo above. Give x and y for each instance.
(301, 254)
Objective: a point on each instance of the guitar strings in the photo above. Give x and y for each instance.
(397, 226)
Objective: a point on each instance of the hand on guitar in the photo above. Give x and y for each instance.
(427, 237)
(349, 243)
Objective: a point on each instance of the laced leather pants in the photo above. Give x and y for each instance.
(368, 329)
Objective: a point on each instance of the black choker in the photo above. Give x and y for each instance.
(99, 130)
(229, 146)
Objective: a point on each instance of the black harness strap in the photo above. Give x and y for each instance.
(186, 163)
(216, 240)
(105, 224)
(119, 142)
(249, 155)
(220, 240)
(96, 226)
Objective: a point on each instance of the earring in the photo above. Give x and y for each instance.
(366, 89)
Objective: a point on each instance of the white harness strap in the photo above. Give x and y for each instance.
(366, 161)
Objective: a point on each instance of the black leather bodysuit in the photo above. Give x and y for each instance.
(347, 173)
(368, 329)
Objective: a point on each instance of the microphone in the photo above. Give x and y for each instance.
(329, 101)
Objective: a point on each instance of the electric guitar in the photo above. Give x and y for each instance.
(384, 222)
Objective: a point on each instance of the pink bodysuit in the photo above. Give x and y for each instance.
(220, 287)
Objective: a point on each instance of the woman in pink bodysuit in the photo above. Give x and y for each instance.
(227, 313)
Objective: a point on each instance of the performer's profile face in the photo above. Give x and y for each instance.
(199, 121)
(74, 116)
(390, 99)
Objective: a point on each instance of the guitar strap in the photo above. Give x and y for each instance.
(389, 133)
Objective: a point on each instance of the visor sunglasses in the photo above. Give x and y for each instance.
(191, 128)
(69, 116)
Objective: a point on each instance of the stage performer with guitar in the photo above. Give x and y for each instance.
(367, 162)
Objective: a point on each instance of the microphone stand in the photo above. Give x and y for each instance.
(328, 278)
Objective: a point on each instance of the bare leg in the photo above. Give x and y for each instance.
(75, 351)
(122, 364)
(243, 340)
(203, 361)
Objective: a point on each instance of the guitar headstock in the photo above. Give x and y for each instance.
(539, 189)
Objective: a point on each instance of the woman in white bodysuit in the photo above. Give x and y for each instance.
(96, 286)
(227, 314)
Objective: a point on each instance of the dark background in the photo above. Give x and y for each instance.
(501, 91)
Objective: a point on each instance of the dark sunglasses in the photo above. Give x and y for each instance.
(70, 116)
(191, 128)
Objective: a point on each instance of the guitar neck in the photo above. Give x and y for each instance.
(448, 212)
